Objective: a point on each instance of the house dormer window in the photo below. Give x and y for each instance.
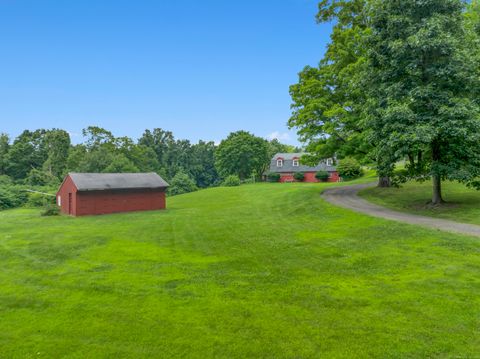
(329, 162)
(279, 162)
(295, 163)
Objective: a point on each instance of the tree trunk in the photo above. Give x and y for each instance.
(384, 182)
(436, 178)
(437, 190)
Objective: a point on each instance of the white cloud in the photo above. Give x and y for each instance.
(279, 136)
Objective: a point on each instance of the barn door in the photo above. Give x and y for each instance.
(69, 203)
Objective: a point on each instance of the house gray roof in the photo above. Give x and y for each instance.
(289, 156)
(107, 181)
(289, 167)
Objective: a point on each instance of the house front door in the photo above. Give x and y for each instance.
(69, 203)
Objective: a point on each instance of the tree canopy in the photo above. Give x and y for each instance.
(399, 80)
(327, 101)
(242, 154)
(43, 157)
(4, 147)
(421, 75)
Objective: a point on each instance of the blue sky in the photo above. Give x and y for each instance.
(198, 68)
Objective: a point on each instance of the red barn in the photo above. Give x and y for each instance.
(99, 193)
(287, 164)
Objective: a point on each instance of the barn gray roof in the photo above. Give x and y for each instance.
(289, 167)
(107, 181)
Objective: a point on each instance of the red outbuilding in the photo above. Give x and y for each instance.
(99, 193)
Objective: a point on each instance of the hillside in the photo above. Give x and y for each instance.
(266, 270)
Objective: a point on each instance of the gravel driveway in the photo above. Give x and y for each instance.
(347, 197)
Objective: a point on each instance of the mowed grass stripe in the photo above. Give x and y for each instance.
(264, 270)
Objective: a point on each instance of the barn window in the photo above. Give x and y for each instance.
(296, 163)
(59, 200)
(279, 163)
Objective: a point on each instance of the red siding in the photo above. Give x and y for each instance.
(286, 177)
(334, 177)
(67, 187)
(103, 202)
(309, 177)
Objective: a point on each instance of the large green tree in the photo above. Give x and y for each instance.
(160, 141)
(98, 151)
(27, 152)
(472, 26)
(76, 154)
(98, 137)
(178, 157)
(121, 164)
(202, 164)
(57, 143)
(275, 146)
(4, 147)
(96, 160)
(196, 160)
(242, 154)
(328, 100)
(422, 79)
(144, 158)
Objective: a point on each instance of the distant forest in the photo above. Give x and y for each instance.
(43, 157)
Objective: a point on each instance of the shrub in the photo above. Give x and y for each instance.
(39, 199)
(11, 197)
(273, 177)
(231, 181)
(36, 200)
(181, 183)
(322, 176)
(51, 209)
(5, 180)
(349, 168)
(7, 199)
(299, 176)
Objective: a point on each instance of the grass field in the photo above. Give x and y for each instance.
(463, 204)
(267, 270)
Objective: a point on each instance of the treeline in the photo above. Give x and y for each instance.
(43, 157)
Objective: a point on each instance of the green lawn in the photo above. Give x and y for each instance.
(267, 270)
(463, 204)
